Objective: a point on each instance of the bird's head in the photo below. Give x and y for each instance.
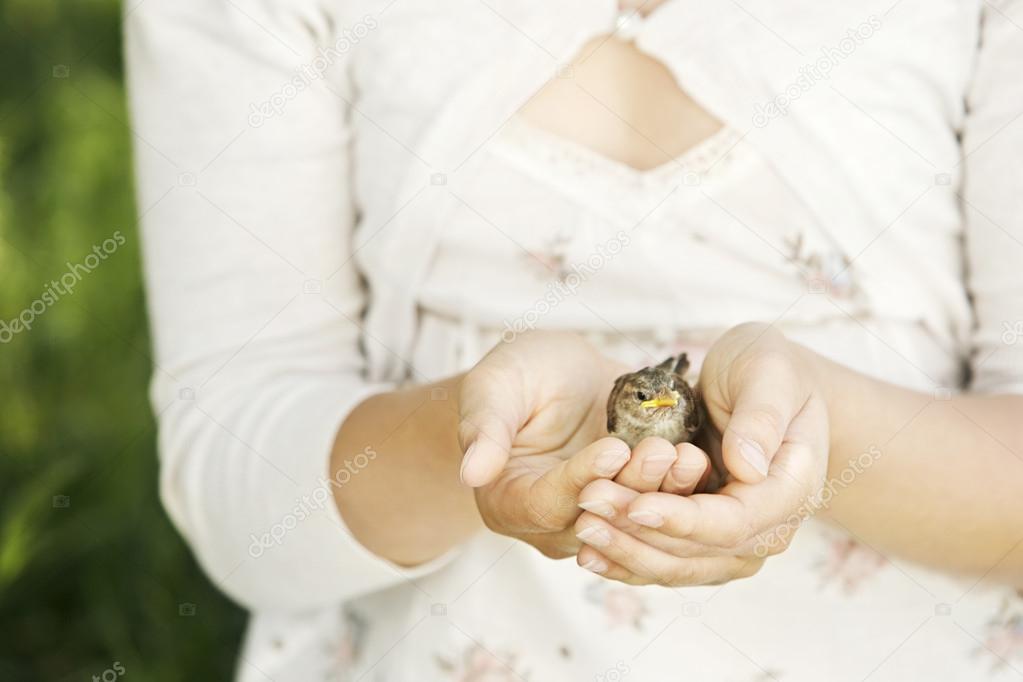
(651, 394)
(654, 401)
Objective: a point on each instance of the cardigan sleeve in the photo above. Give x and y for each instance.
(242, 159)
(992, 201)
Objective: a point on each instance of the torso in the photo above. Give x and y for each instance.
(526, 198)
(621, 103)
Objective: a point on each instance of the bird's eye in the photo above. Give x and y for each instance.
(642, 396)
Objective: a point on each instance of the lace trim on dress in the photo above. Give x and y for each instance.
(564, 158)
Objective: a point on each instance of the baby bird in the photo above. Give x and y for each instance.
(655, 401)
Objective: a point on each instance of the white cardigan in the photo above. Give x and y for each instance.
(274, 173)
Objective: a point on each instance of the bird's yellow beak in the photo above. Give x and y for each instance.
(660, 401)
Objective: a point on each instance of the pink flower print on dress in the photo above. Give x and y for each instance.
(342, 652)
(850, 563)
(477, 664)
(1004, 640)
(552, 260)
(822, 272)
(622, 605)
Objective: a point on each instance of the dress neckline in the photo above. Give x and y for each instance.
(559, 151)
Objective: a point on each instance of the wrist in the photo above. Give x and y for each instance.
(413, 433)
(827, 383)
(816, 370)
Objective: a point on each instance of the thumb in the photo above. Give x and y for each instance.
(488, 422)
(767, 401)
(489, 437)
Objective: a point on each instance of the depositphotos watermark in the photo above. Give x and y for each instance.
(64, 286)
(780, 535)
(317, 500)
(565, 286)
(110, 674)
(816, 71)
(307, 74)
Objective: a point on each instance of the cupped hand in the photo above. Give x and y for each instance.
(532, 425)
(761, 396)
(531, 403)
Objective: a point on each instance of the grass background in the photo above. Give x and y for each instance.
(105, 578)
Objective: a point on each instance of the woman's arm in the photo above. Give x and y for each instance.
(406, 503)
(247, 219)
(947, 486)
(935, 480)
(932, 479)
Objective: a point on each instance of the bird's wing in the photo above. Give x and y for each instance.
(695, 417)
(612, 398)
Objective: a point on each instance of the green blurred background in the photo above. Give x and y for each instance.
(91, 571)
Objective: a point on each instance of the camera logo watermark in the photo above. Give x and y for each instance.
(58, 288)
(320, 497)
(1012, 332)
(618, 673)
(307, 74)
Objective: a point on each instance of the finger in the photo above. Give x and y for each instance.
(622, 549)
(552, 502)
(490, 440)
(768, 397)
(608, 499)
(743, 515)
(595, 562)
(710, 481)
(592, 560)
(652, 564)
(691, 467)
(560, 545)
(651, 459)
(489, 418)
(718, 520)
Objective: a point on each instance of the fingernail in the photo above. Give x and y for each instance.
(610, 462)
(754, 454)
(647, 518)
(595, 536)
(655, 466)
(595, 565)
(465, 460)
(599, 508)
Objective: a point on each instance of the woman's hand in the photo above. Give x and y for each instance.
(761, 396)
(536, 401)
(531, 419)
(533, 423)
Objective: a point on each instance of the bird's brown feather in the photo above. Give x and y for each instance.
(616, 390)
(672, 368)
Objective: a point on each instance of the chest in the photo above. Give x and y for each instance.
(646, 83)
